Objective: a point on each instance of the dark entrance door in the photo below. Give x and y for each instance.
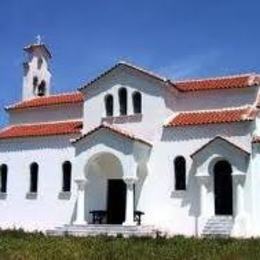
(116, 202)
(223, 188)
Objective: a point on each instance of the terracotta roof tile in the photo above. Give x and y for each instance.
(114, 129)
(74, 97)
(228, 82)
(41, 129)
(212, 117)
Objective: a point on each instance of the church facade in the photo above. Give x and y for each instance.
(132, 149)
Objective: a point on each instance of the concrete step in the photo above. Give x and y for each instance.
(95, 230)
(218, 226)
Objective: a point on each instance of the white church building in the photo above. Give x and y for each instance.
(132, 151)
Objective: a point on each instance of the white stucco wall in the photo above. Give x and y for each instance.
(171, 211)
(46, 114)
(47, 210)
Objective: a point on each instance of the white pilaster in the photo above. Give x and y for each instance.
(129, 215)
(240, 228)
(239, 198)
(204, 211)
(204, 180)
(80, 210)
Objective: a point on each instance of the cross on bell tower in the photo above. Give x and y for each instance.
(37, 76)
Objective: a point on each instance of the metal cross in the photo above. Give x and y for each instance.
(38, 39)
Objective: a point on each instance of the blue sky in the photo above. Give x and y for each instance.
(177, 38)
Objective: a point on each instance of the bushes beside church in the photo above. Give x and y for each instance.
(20, 245)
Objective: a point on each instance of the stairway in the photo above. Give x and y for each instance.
(108, 230)
(218, 226)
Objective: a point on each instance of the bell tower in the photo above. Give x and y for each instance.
(36, 73)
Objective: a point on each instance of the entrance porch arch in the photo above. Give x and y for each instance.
(107, 148)
(106, 187)
(218, 181)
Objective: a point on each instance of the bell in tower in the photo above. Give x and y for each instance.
(36, 78)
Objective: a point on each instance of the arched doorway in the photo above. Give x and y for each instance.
(107, 189)
(223, 188)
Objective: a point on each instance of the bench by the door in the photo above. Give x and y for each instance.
(138, 216)
(98, 216)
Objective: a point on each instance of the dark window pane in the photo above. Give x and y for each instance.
(66, 168)
(42, 89)
(109, 103)
(123, 101)
(180, 173)
(137, 103)
(34, 177)
(3, 170)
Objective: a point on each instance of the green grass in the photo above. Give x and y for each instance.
(20, 245)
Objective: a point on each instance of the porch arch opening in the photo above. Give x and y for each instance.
(106, 188)
(223, 188)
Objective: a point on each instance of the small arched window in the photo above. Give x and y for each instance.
(109, 104)
(35, 82)
(39, 63)
(66, 176)
(34, 169)
(137, 102)
(180, 173)
(42, 89)
(123, 101)
(3, 178)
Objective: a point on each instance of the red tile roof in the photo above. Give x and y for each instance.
(212, 117)
(228, 82)
(67, 98)
(41, 129)
(114, 129)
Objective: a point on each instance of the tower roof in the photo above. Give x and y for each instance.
(38, 46)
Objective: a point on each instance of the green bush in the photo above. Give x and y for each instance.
(16, 244)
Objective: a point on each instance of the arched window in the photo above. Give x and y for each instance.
(3, 178)
(34, 168)
(137, 102)
(109, 104)
(35, 82)
(180, 173)
(66, 178)
(123, 101)
(39, 63)
(42, 89)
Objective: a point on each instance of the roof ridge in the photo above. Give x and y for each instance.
(125, 63)
(32, 102)
(223, 138)
(157, 75)
(217, 109)
(113, 128)
(240, 75)
(45, 123)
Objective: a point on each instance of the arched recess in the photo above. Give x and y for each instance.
(223, 189)
(109, 105)
(3, 178)
(106, 188)
(66, 176)
(180, 173)
(42, 89)
(122, 95)
(137, 102)
(34, 169)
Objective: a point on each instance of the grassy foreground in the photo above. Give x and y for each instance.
(20, 245)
